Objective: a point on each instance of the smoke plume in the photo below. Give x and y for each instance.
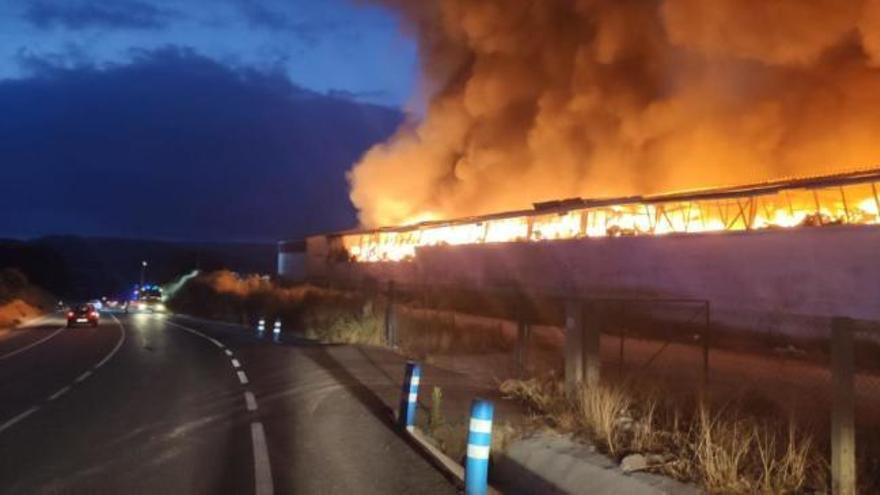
(532, 100)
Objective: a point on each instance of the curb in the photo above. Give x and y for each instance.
(558, 465)
(452, 468)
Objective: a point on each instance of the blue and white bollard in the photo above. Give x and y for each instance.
(276, 331)
(476, 472)
(261, 327)
(409, 396)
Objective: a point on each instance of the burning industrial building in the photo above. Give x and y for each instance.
(781, 256)
(531, 102)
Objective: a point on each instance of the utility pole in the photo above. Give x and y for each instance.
(143, 272)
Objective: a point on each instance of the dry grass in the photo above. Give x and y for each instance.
(720, 452)
(328, 325)
(436, 418)
(603, 410)
(790, 470)
(426, 332)
(725, 451)
(451, 438)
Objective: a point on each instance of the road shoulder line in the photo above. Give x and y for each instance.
(32, 344)
(12, 422)
(78, 379)
(59, 393)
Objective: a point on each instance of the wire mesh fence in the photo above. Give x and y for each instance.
(667, 345)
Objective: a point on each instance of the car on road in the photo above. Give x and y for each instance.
(83, 314)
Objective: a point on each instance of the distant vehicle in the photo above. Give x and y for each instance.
(148, 299)
(83, 314)
(97, 304)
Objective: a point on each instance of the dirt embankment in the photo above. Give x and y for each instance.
(19, 300)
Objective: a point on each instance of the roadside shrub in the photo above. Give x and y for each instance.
(723, 448)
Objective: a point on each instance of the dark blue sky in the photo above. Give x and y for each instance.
(203, 120)
(323, 45)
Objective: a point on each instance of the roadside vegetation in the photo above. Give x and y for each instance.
(723, 448)
(334, 316)
(721, 444)
(19, 299)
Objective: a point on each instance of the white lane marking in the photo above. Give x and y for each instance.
(116, 347)
(242, 378)
(32, 344)
(250, 400)
(262, 468)
(60, 393)
(79, 379)
(236, 364)
(200, 334)
(18, 418)
(228, 352)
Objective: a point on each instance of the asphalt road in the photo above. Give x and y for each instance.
(155, 404)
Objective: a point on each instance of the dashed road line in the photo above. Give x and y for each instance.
(200, 334)
(242, 378)
(18, 418)
(250, 400)
(59, 393)
(262, 468)
(32, 344)
(78, 379)
(116, 347)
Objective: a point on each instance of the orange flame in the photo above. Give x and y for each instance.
(790, 208)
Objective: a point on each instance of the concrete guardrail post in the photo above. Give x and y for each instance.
(843, 437)
(476, 472)
(574, 343)
(391, 318)
(409, 396)
(592, 329)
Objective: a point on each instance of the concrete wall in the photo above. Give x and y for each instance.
(786, 281)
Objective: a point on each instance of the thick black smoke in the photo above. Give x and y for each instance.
(541, 99)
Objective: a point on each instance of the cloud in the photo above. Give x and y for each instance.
(85, 14)
(176, 145)
(369, 95)
(259, 14)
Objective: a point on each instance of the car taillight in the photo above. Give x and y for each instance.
(93, 314)
(70, 314)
